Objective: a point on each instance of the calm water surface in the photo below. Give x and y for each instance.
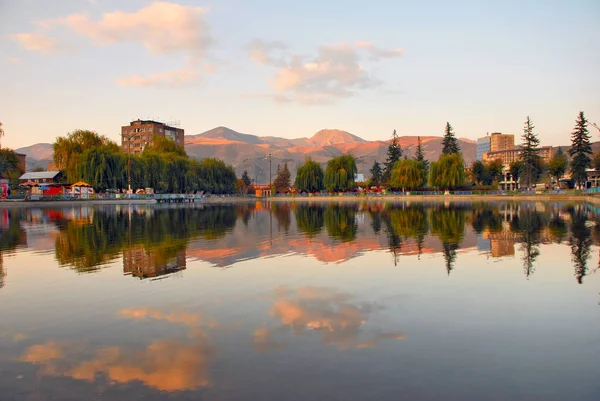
(365, 301)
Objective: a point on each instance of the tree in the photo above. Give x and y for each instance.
(515, 170)
(376, 174)
(407, 174)
(494, 171)
(339, 174)
(450, 143)
(9, 165)
(557, 167)
(246, 178)
(68, 149)
(1, 133)
(420, 157)
(282, 180)
(448, 172)
(478, 170)
(309, 177)
(394, 153)
(530, 170)
(164, 145)
(580, 151)
(596, 161)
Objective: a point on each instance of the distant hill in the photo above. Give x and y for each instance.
(38, 155)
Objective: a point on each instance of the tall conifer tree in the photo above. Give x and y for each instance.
(580, 151)
(450, 143)
(394, 153)
(530, 167)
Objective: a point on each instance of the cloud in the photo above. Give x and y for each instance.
(181, 77)
(161, 28)
(35, 42)
(333, 316)
(13, 60)
(335, 72)
(263, 52)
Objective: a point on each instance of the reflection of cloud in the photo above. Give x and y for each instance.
(20, 337)
(181, 316)
(333, 316)
(165, 364)
(262, 340)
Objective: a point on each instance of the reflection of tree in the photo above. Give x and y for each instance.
(375, 220)
(580, 242)
(486, 217)
(164, 232)
(528, 224)
(11, 236)
(448, 224)
(309, 219)
(282, 213)
(404, 223)
(340, 221)
(558, 228)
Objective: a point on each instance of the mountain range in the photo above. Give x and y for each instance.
(251, 152)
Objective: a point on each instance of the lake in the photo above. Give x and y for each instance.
(284, 301)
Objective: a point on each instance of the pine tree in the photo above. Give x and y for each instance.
(530, 168)
(580, 151)
(450, 143)
(420, 157)
(394, 153)
(246, 178)
(376, 174)
(282, 180)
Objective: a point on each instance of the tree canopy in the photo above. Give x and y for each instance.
(448, 172)
(376, 174)
(408, 174)
(309, 177)
(558, 165)
(283, 178)
(339, 174)
(9, 165)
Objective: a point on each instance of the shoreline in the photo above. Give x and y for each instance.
(593, 199)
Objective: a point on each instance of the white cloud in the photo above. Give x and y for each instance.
(336, 71)
(161, 27)
(35, 42)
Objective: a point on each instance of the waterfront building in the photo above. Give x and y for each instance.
(483, 146)
(509, 156)
(138, 135)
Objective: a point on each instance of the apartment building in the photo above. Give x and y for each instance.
(509, 156)
(492, 143)
(138, 135)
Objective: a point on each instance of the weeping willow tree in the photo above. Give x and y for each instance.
(408, 174)
(309, 177)
(67, 151)
(102, 168)
(339, 175)
(448, 172)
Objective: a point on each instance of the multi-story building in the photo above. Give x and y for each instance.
(500, 141)
(510, 156)
(495, 142)
(483, 146)
(139, 134)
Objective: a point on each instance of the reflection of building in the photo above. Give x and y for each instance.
(502, 243)
(138, 135)
(142, 263)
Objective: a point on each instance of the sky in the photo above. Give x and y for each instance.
(290, 69)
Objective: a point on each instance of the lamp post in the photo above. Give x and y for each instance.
(270, 185)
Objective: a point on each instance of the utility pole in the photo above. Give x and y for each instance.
(270, 185)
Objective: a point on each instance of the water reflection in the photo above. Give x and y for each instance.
(158, 241)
